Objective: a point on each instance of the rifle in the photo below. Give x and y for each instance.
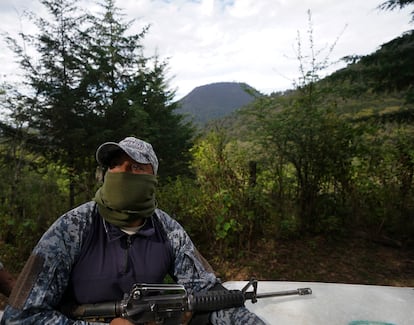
(165, 303)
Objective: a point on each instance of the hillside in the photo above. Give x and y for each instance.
(389, 69)
(378, 86)
(381, 79)
(214, 101)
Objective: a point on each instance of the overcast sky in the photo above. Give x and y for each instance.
(251, 41)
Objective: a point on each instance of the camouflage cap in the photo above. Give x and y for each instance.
(137, 149)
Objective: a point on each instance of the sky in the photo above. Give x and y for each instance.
(250, 41)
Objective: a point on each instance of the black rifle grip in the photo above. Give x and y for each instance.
(216, 300)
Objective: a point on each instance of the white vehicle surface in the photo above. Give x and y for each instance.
(332, 304)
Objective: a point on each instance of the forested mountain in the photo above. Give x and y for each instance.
(383, 74)
(376, 86)
(389, 70)
(215, 101)
(386, 72)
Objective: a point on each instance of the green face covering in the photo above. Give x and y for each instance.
(125, 197)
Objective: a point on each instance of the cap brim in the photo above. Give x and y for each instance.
(106, 151)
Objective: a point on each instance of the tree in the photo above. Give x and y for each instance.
(394, 4)
(165, 129)
(388, 70)
(91, 84)
(56, 106)
(132, 92)
(112, 60)
(307, 140)
(30, 194)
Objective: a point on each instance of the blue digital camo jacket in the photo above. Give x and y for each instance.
(44, 279)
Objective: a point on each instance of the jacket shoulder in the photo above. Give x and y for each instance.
(68, 230)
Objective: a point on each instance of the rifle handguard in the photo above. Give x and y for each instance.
(216, 300)
(101, 310)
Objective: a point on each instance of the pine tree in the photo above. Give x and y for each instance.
(56, 108)
(166, 129)
(132, 94)
(92, 83)
(394, 4)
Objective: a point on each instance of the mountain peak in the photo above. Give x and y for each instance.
(215, 100)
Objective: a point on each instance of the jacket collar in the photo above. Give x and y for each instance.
(113, 232)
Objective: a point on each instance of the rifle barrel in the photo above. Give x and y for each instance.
(300, 292)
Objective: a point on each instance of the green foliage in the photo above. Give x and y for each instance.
(220, 208)
(305, 135)
(31, 199)
(333, 157)
(388, 70)
(166, 130)
(384, 182)
(93, 84)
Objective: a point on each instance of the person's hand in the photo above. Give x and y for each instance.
(123, 321)
(120, 321)
(186, 317)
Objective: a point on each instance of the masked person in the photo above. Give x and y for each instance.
(97, 251)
